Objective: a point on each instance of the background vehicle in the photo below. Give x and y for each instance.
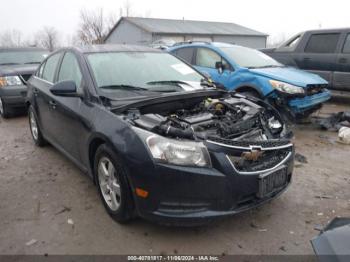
(163, 43)
(16, 67)
(323, 52)
(246, 70)
(157, 138)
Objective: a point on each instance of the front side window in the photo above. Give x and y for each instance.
(346, 48)
(145, 70)
(249, 58)
(70, 70)
(186, 54)
(50, 67)
(322, 43)
(207, 58)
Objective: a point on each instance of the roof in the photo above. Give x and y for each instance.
(113, 48)
(170, 26)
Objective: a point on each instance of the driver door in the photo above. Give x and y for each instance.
(206, 60)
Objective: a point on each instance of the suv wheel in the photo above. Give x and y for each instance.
(113, 187)
(39, 140)
(4, 111)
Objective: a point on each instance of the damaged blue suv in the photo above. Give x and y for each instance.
(295, 92)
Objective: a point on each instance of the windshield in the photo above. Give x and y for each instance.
(22, 57)
(142, 72)
(249, 58)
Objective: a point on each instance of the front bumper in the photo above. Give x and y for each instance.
(14, 96)
(300, 105)
(193, 196)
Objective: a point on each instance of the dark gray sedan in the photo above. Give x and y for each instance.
(16, 67)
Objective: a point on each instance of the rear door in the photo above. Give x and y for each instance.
(320, 54)
(341, 78)
(42, 95)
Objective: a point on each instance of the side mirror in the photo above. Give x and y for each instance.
(219, 66)
(65, 88)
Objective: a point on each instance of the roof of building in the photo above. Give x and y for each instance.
(170, 26)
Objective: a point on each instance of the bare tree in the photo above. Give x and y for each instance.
(48, 38)
(11, 38)
(126, 10)
(92, 27)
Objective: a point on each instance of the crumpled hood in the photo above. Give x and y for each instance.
(290, 75)
(10, 70)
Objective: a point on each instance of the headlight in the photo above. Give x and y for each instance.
(177, 152)
(10, 81)
(286, 88)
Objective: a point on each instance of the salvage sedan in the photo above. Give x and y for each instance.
(156, 136)
(16, 67)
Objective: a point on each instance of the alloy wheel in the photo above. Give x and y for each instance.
(33, 125)
(1, 107)
(109, 184)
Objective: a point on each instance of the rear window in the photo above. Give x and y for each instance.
(322, 43)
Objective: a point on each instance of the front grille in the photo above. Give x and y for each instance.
(315, 89)
(249, 144)
(266, 160)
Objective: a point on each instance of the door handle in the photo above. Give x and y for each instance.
(36, 92)
(53, 104)
(343, 60)
(307, 59)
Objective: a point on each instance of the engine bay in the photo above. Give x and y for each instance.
(228, 117)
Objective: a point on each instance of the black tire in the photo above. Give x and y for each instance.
(124, 212)
(4, 109)
(37, 136)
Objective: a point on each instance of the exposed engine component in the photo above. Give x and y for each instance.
(231, 118)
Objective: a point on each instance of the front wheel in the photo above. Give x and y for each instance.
(4, 110)
(113, 187)
(37, 136)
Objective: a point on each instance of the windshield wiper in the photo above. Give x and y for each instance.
(32, 63)
(124, 87)
(171, 82)
(266, 66)
(9, 64)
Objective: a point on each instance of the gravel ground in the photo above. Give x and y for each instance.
(40, 190)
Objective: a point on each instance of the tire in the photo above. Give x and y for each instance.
(4, 109)
(110, 172)
(37, 136)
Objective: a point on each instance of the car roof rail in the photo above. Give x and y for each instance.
(192, 42)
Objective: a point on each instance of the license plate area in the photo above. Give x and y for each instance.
(272, 182)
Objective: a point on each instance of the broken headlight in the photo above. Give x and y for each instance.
(286, 88)
(177, 152)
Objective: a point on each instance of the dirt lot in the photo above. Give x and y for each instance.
(40, 190)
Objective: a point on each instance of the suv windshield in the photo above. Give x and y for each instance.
(22, 57)
(142, 72)
(249, 58)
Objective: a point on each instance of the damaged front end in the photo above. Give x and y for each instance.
(224, 152)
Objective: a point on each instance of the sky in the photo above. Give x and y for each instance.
(279, 19)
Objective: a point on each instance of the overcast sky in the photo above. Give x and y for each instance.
(274, 17)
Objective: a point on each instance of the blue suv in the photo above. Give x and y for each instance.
(251, 72)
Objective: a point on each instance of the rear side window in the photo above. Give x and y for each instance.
(207, 58)
(346, 48)
(50, 68)
(186, 54)
(322, 43)
(70, 69)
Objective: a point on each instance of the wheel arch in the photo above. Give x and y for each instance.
(245, 88)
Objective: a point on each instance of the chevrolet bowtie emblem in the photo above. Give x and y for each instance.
(253, 155)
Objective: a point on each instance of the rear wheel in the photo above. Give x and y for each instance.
(113, 187)
(34, 129)
(4, 109)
